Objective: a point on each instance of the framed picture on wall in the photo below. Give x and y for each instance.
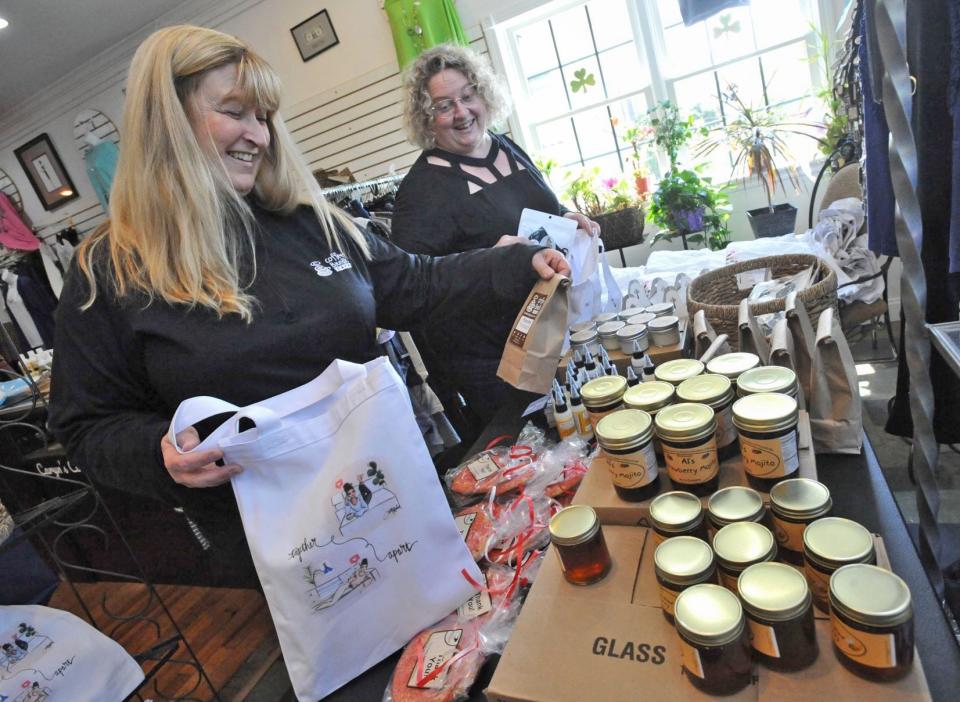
(46, 173)
(315, 35)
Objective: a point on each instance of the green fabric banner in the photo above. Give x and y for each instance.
(419, 24)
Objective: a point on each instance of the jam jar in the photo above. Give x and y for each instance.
(714, 645)
(651, 397)
(679, 563)
(767, 379)
(576, 534)
(678, 370)
(871, 619)
(828, 544)
(687, 433)
(767, 423)
(733, 504)
(793, 505)
(717, 392)
(779, 609)
(733, 364)
(603, 395)
(739, 546)
(626, 441)
(675, 514)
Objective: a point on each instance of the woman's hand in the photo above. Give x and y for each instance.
(195, 470)
(548, 262)
(584, 222)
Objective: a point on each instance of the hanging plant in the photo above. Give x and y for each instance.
(581, 79)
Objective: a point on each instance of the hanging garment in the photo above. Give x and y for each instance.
(18, 310)
(694, 11)
(64, 252)
(51, 266)
(40, 304)
(419, 24)
(953, 97)
(14, 234)
(101, 160)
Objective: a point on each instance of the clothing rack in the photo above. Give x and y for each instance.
(363, 185)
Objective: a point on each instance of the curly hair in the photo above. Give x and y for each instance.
(417, 117)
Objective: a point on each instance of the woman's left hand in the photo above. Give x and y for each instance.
(548, 262)
(584, 223)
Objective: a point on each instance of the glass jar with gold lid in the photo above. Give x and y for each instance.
(733, 364)
(651, 397)
(740, 545)
(717, 392)
(680, 562)
(779, 610)
(767, 423)
(794, 504)
(677, 513)
(767, 379)
(603, 395)
(678, 370)
(626, 441)
(714, 647)
(687, 433)
(578, 540)
(828, 544)
(871, 617)
(733, 504)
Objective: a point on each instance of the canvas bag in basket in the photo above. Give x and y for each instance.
(47, 655)
(704, 337)
(836, 422)
(347, 523)
(535, 345)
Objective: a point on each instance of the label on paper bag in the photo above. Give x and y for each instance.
(464, 522)
(534, 307)
(770, 458)
(633, 470)
(763, 638)
(691, 659)
(439, 648)
(874, 650)
(667, 598)
(789, 535)
(692, 465)
(483, 466)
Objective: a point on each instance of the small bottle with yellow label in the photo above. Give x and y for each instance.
(794, 504)
(626, 442)
(679, 563)
(675, 514)
(829, 544)
(687, 433)
(767, 423)
(739, 546)
(576, 535)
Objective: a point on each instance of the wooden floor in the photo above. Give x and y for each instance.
(229, 629)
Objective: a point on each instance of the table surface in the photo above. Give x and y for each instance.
(860, 492)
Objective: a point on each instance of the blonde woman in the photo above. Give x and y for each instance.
(222, 272)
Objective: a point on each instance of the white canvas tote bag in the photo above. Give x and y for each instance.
(348, 527)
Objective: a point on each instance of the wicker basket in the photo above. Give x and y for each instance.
(717, 293)
(621, 229)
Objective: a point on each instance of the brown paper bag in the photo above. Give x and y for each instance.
(782, 353)
(704, 336)
(804, 339)
(836, 422)
(751, 338)
(535, 344)
(718, 347)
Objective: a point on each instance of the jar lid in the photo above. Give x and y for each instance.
(838, 540)
(610, 328)
(683, 559)
(774, 591)
(604, 317)
(641, 318)
(709, 389)
(677, 370)
(603, 390)
(624, 428)
(581, 338)
(677, 509)
(800, 497)
(660, 309)
(573, 525)
(629, 332)
(767, 379)
(582, 326)
(664, 323)
(624, 315)
(870, 595)
(733, 364)
(765, 412)
(735, 504)
(649, 396)
(744, 543)
(708, 615)
(685, 421)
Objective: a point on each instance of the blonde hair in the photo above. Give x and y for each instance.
(178, 229)
(417, 116)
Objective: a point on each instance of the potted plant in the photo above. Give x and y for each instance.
(610, 202)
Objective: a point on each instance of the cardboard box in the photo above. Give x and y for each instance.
(597, 491)
(658, 354)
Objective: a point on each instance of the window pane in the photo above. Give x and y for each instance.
(745, 76)
(669, 12)
(589, 94)
(787, 72)
(698, 94)
(777, 21)
(547, 96)
(557, 142)
(609, 165)
(536, 49)
(687, 50)
(622, 70)
(595, 133)
(611, 23)
(572, 33)
(730, 34)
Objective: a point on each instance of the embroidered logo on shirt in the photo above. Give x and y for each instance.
(333, 262)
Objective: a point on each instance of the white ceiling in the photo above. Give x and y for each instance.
(48, 38)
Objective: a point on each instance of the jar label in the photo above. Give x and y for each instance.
(566, 427)
(584, 427)
(633, 470)
(874, 650)
(667, 598)
(770, 458)
(595, 416)
(690, 657)
(763, 638)
(483, 466)
(729, 581)
(789, 534)
(692, 465)
(726, 431)
(464, 522)
(819, 582)
(439, 648)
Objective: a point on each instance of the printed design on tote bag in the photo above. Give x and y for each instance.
(330, 585)
(21, 649)
(33, 691)
(362, 498)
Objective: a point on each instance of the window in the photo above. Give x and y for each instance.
(639, 52)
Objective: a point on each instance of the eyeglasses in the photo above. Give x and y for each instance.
(444, 107)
